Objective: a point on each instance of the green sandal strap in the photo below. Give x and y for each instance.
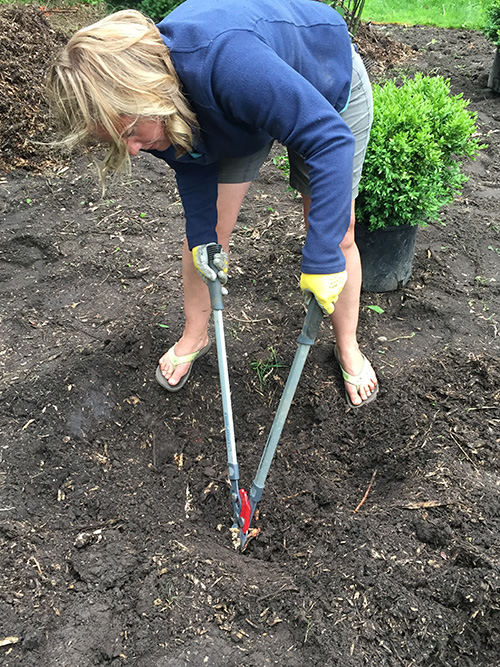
(185, 358)
(361, 377)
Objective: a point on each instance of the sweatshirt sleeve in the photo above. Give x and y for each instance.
(255, 86)
(197, 184)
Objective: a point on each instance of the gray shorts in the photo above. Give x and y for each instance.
(358, 115)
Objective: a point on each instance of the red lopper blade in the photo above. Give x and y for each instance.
(245, 510)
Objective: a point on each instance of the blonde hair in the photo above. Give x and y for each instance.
(117, 67)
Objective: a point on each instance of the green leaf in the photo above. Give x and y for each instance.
(377, 309)
(164, 326)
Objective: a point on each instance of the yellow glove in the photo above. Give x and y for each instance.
(325, 287)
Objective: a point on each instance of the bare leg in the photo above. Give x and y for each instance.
(344, 319)
(196, 297)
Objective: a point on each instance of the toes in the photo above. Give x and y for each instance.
(178, 374)
(361, 394)
(173, 375)
(355, 397)
(166, 370)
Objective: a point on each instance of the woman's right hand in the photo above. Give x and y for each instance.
(210, 261)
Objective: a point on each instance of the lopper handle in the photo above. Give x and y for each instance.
(238, 496)
(311, 324)
(214, 286)
(306, 339)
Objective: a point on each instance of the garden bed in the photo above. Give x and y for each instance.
(115, 511)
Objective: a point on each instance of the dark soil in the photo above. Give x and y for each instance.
(115, 510)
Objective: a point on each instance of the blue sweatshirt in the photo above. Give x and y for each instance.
(256, 70)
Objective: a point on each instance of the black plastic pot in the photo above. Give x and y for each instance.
(494, 77)
(386, 256)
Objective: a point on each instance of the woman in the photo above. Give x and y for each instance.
(207, 90)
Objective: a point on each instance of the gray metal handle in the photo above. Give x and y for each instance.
(306, 338)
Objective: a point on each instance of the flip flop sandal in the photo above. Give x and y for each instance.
(357, 381)
(177, 361)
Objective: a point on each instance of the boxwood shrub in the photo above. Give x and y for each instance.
(420, 137)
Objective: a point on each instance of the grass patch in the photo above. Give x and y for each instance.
(448, 14)
(265, 367)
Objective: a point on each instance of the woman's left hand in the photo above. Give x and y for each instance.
(325, 287)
